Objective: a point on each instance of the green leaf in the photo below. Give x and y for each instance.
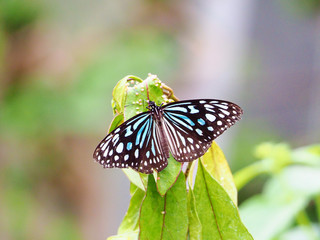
(307, 155)
(168, 176)
(302, 233)
(132, 189)
(297, 181)
(152, 213)
(117, 121)
(265, 219)
(175, 224)
(218, 214)
(164, 217)
(138, 179)
(139, 92)
(155, 89)
(120, 94)
(217, 166)
(192, 172)
(275, 156)
(131, 219)
(293, 187)
(126, 236)
(195, 228)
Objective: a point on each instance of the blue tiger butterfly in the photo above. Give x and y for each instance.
(184, 128)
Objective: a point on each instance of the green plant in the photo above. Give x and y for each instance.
(198, 203)
(289, 205)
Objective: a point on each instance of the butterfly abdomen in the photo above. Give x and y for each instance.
(163, 140)
(157, 115)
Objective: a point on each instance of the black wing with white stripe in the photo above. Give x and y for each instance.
(135, 144)
(192, 125)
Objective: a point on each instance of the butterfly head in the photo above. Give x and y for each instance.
(151, 104)
(155, 109)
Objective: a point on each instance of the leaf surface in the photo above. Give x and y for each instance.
(168, 176)
(164, 217)
(175, 224)
(195, 228)
(117, 121)
(131, 219)
(125, 236)
(217, 166)
(136, 178)
(218, 214)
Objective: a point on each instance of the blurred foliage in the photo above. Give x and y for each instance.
(244, 144)
(35, 107)
(17, 14)
(41, 117)
(290, 199)
(306, 7)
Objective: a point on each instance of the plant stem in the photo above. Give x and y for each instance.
(169, 92)
(245, 175)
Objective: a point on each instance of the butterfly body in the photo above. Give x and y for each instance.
(157, 115)
(185, 128)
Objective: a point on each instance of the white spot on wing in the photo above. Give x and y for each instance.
(199, 131)
(119, 149)
(225, 112)
(111, 152)
(222, 106)
(193, 110)
(210, 117)
(182, 139)
(104, 146)
(136, 153)
(115, 138)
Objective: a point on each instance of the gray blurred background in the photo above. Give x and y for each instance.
(59, 61)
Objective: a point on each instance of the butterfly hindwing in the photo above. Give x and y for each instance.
(135, 144)
(192, 125)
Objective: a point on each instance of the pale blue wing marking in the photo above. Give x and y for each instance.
(143, 127)
(138, 122)
(201, 121)
(129, 146)
(146, 130)
(178, 117)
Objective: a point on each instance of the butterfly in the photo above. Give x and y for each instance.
(184, 128)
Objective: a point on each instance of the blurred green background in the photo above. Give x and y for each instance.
(59, 61)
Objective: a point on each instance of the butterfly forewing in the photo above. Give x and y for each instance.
(134, 144)
(192, 125)
(186, 128)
